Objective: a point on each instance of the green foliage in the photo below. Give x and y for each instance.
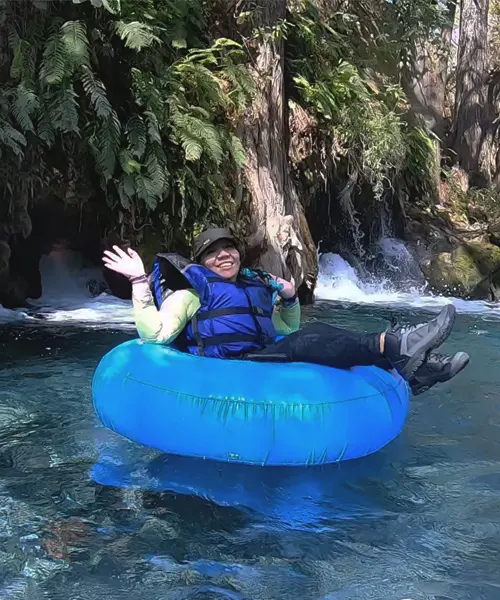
(137, 97)
(420, 166)
(346, 74)
(149, 103)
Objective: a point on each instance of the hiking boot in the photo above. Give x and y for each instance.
(407, 347)
(438, 368)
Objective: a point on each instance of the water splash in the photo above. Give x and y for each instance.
(73, 290)
(397, 263)
(339, 281)
(70, 285)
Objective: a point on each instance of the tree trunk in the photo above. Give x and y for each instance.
(426, 88)
(288, 249)
(472, 115)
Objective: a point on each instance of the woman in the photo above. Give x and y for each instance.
(231, 312)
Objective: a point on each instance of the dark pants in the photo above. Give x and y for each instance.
(324, 344)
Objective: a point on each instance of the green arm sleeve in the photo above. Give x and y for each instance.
(287, 319)
(164, 325)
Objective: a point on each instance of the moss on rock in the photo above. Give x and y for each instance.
(464, 271)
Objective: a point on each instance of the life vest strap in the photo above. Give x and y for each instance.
(197, 336)
(238, 310)
(229, 338)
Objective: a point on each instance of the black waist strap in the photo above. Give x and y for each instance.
(238, 310)
(229, 338)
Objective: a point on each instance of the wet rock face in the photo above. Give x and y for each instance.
(471, 270)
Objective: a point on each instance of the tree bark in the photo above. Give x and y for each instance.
(472, 115)
(426, 86)
(426, 89)
(287, 249)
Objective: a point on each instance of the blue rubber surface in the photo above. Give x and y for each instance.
(247, 412)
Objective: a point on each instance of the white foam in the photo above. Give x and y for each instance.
(66, 296)
(339, 281)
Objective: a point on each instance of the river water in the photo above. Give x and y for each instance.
(86, 515)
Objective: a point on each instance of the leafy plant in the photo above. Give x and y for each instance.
(140, 93)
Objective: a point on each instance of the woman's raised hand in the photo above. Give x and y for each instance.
(127, 263)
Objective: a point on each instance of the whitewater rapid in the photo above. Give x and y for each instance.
(68, 281)
(338, 281)
(69, 286)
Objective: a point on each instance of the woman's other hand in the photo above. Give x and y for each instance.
(288, 290)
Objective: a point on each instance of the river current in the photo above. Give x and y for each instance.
(86, 515)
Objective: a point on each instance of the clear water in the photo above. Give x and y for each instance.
(86, 515)
(419, 520)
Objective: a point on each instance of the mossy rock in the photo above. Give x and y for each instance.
(485, 255)
(468, 271)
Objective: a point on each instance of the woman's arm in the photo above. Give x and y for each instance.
(286, 318)
(164, 325)
(161, 327)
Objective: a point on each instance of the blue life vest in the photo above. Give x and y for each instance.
(234, 317)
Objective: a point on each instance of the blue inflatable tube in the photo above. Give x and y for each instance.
(277, 414)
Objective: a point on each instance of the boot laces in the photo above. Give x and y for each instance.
(436, 357)
(398, 328)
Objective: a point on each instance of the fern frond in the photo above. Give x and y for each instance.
(23, 67)
(112, 6)
(95, 90)
(204, 57)
(24, 106)
(136, 35)
(153, 127)
(64, 110)
(243, 86)
(192, 147)
(45, 129)
(157, 171)
(11, 138)
(204, 86)
(13, 38)
(147, 92)
(54, 61)
(126, 191)
(196, 136)
(199, 112)
(207, 136)
(227, 45)
(136, 135)
(193, 188)
(147, 191)
(106, 142)
(237, 151)
(75, 40)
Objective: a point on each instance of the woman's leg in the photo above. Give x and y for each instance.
(324, 344)
(404, 349)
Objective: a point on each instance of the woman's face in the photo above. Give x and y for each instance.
(223, 259)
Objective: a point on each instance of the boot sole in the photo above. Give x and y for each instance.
(416, 361)
(462, 362)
